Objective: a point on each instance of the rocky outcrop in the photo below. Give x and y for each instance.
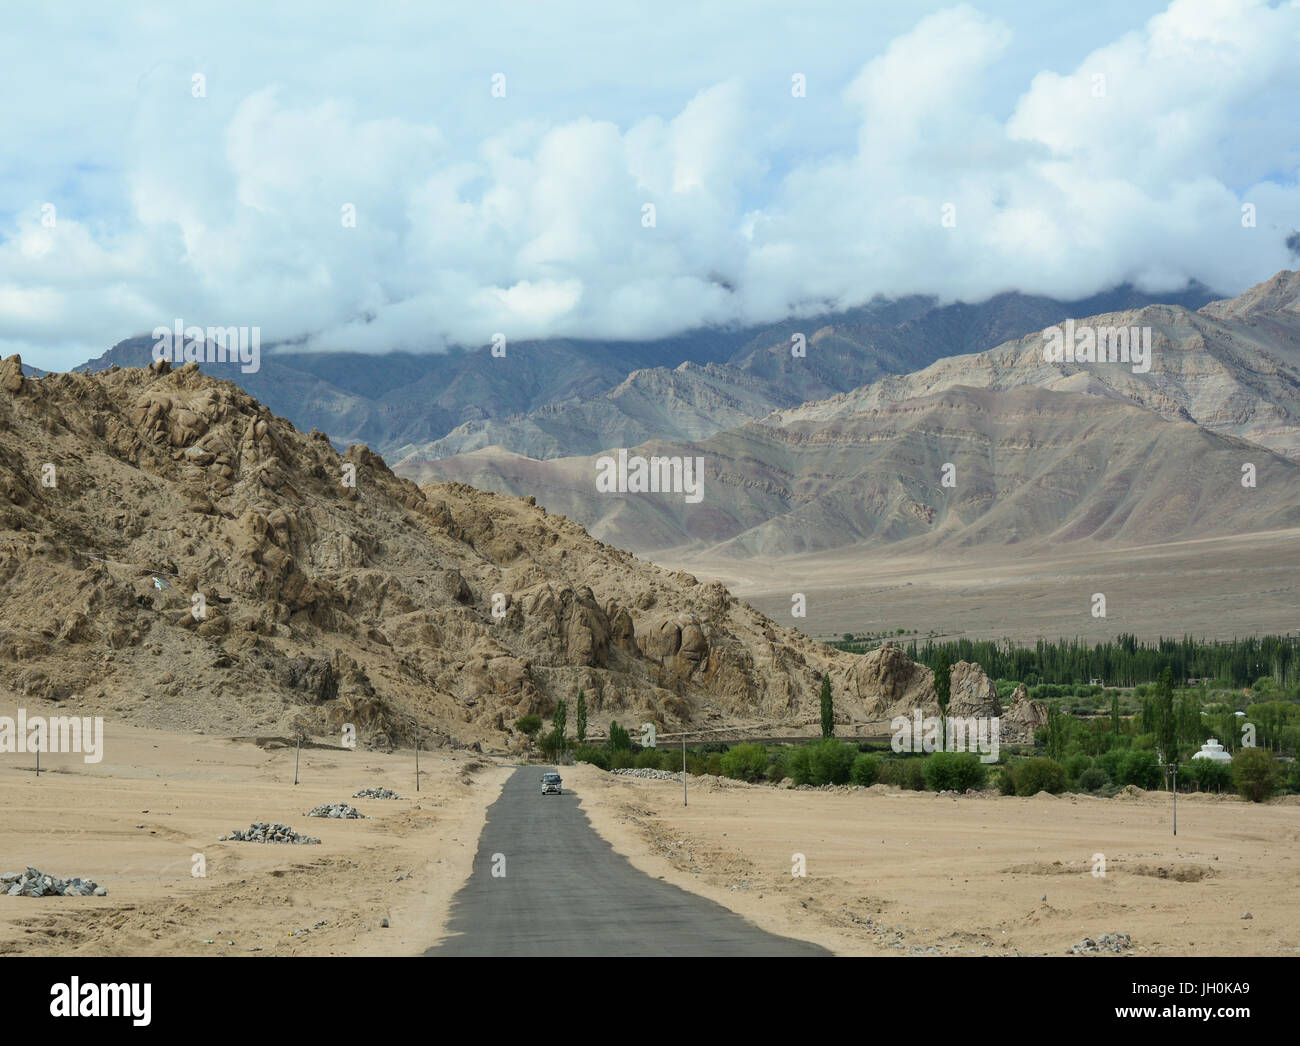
(1022, 717)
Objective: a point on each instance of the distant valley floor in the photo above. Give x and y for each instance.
(1213, 588)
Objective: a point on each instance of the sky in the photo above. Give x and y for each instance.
(416, 175)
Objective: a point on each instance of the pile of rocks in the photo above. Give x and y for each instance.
(376, 793)
(653, 775)
(32, 883)
(1107, 942)
(335, 810)
(261, 832)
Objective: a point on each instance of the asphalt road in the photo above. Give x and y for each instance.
(566, 892)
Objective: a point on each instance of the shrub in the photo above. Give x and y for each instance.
(591, 754)
(713, 764)
(1110, 762)
(1076, 765)
(954, 770)
(1141, 768)
(1007, 779)
(866, 769)
(1093, 779)
(1208, 774)
(798, 767)
(670, 759)
(528, 724)
(1255, 773)
(776, 769)
(647, 759)
(554, 745)
(621, 759)
(904, 773)
(1039, 775)
(830, 761)
(747, 762)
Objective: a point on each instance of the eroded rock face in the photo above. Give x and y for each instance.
(11, 375)
(1022, 717)
(889, 683)
(887, 679)
(972, 693)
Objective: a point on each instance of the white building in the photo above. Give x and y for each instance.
(1213, 750)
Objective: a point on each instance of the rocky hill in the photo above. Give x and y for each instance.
(174, 554)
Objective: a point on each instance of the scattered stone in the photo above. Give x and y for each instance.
(261, 832)
(32, 883)
(342, 810)
(1247, 915)
(376, 793)
(1107, 942)
(652, 775)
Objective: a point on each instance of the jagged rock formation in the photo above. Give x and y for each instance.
(1022, 717)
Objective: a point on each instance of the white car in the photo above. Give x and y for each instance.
(551, 784)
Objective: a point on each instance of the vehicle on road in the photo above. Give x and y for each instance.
(551, 784)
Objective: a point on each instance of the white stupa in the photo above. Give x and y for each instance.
(1213, 750)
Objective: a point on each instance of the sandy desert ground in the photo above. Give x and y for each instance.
(133, 822)
(888, 872)
(1216, 588)
(903, 873)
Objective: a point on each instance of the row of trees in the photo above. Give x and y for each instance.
(1123, 661)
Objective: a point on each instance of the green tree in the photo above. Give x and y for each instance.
(828, 708)
(865, 771)
(1057, 732)
(830, 761)
(943, 692)
(747, 762)
(1255, 772)
(582, 717)
(1114, 713)
(619, 740)
(529, 724)
(1166, 721)
(560, 720)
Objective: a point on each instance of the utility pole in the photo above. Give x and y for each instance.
(417, 758)
(296, 753)
(683, 769)
(1172, 769)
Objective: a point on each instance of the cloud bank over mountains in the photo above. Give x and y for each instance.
(526, 214)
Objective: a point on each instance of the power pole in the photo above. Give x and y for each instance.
(683, 769)
(1172, 769)
(296, 753)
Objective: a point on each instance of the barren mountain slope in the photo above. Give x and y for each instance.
(126, 494)
(1233, 367)
(698, 398)
(1029, 467)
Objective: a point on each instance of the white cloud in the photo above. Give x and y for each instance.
(524, 214)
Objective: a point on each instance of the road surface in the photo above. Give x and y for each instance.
(566, 892)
